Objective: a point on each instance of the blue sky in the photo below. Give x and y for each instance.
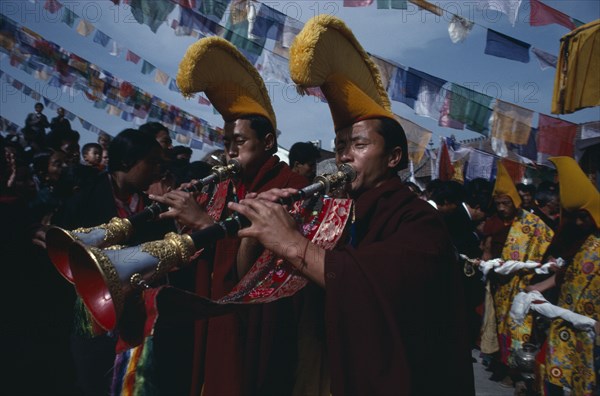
(412, 38)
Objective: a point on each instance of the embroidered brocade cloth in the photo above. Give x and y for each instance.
(570, 354)
(527, 239)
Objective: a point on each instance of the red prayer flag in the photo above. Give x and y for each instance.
(542, 14)
(357, 3)
(52, 6)
(131, 57)
(516, 170)
(555, 136)
(446, 171)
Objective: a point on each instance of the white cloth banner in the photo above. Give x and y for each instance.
(480, 166)
(459, 28)
(291, 28)
(508, 267)
(274, 67)
(590, 130)
(508, 7)
(534, 300)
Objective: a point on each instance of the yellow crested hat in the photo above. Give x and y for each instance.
(233, 86)
(326, 54)
(505, 186)
(576, 190)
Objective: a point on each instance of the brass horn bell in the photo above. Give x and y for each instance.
(104, 278)
(59, 240)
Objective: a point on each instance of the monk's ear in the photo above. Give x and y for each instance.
(269, 141)
(394, 157)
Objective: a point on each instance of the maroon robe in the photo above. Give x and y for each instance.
(251, 351)
(395, 314)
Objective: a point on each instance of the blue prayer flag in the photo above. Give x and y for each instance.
(502, 46)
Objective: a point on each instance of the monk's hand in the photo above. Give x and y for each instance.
(273, 195)
(271, 225)
(184, 209)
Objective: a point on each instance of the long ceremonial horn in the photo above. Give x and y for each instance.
(117, 230)
(104, 278)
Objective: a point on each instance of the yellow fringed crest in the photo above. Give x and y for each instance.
(326, 54)
(233, 86)
(576, 190)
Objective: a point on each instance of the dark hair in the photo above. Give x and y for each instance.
(175, 151)
(530, 188)
(449, 192)
(129, 147)
(542, 197)
(479, 199)
(153, 128)
(394, 136)
(88, 146)
(262, 127)
(38, 104)
(303, 152)
(193, 170)
(56, 137)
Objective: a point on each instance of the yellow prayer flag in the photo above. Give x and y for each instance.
(511, 123)
(85, 28)
(161, 77)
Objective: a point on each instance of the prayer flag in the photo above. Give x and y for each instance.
(173, 85)
(541, 14)
(545, 59)
(68, 17)
(147, 67)
(516, 170)
(151, 13)
(417, 138)
(503, 46)
(556, 136)
(269, 23)
(470, 107)
(508, 7)
(511, 123)
(429, 101)
(480, 165)
(446, 170)
(528, 150)
(85, 28)
(131, 57)
(393, 4)
(590, 130)
(203, 101)
(398, 89)
(196, 144)
(386, 70)
(214, 7)
(161, 77)
(459, 28)
(445, 118)
(52, 6)
(101, 38)
(291, 28)
(357, 3)
(275, 68)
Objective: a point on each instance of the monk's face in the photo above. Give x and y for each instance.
(363, 147)
(505, 207)
(242, 143)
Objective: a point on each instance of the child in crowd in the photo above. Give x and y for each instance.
(92, 155)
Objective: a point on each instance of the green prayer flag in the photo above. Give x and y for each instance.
(147, 67)
(394, 4)
(214, 7)
(68, 17)
(471, 108)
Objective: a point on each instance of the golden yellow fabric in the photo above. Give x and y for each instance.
(505, 186)
(577, 80)
(570, 354)
(326, 54)
(528, 239)
(576, 190)
(233, 86)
